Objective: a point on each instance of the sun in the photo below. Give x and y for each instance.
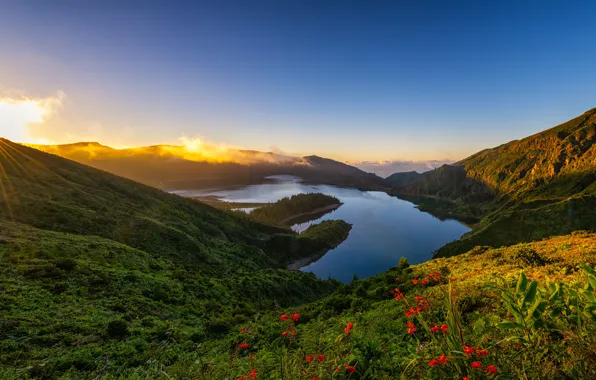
(16, 115)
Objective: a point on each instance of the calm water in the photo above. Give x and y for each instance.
(384, 228)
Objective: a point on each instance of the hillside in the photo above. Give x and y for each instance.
(546, 181)
(182, 167)
(90, 260)
(443, 319)
(402, 178)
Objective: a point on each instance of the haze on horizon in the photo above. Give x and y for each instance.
(371, 85)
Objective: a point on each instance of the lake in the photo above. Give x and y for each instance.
(384, 228)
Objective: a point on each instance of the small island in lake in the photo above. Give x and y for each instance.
(287, 210)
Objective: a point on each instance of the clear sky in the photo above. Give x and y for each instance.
(352, 80)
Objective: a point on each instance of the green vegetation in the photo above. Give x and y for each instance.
(101, 277)
(521, 191)
(92, 263)
(516, 328)
(286, 209)
(402, 178)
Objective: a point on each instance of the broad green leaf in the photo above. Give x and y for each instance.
(507, 325)
(521, 283)
(531, 293)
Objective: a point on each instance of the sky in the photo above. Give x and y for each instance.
(361, 81)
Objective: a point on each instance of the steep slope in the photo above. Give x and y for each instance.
(402, 178)
(547, 181)
(182, 167)
(89, 260)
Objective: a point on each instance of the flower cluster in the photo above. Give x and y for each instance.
(441, 360)
(309, 358)
(479, 353)
(444, 328)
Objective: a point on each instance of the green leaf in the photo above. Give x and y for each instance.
(531, 293)
(521, 283)
(509, 325)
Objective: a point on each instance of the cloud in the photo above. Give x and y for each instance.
(198, 149)
(388, 167)
(22, 118)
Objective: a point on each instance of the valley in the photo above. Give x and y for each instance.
(105, 277)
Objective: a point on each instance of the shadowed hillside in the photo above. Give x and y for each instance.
(402, 178)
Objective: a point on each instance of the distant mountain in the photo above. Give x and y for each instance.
(403, 178)
(388, 167)
(524, 190)
(178, 167)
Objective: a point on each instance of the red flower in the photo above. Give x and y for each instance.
(295, 317)
(398, 294)
(348, 328)
(465, 378)
(350, 368)
(480, 352)
(314, 378)
(476, 365)
(309, 359)
(445, 328)
(411, 328)
(434, 329)
(283, 317)
(243, 345)
(293, 332)
(424, 282)
(443, 359)
(253, 374)
(397, 279)
(492, 369)
(418, 298)
(337, 369)
(321, 357)
(433, 362)
(414, 282)
(411, 311)
(468, 350)
(284, 333)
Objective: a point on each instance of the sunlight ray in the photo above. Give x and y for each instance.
(13, 162)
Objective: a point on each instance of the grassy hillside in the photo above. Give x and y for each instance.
(465, 308)
(466, 297)
(92, 263)
(520, 191)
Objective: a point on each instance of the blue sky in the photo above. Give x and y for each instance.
(374, 80)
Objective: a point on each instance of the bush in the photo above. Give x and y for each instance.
(117, 329)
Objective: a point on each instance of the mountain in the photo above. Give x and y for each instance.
(385, 168)
(90, 262)
(190, 167)
(542, 185)
(402, 178)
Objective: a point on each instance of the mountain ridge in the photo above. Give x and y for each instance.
(514, 181)
(176, 167)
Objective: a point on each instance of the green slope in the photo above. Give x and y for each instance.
(93, 263)
(524, 190)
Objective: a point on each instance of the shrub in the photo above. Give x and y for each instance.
(117, 328)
